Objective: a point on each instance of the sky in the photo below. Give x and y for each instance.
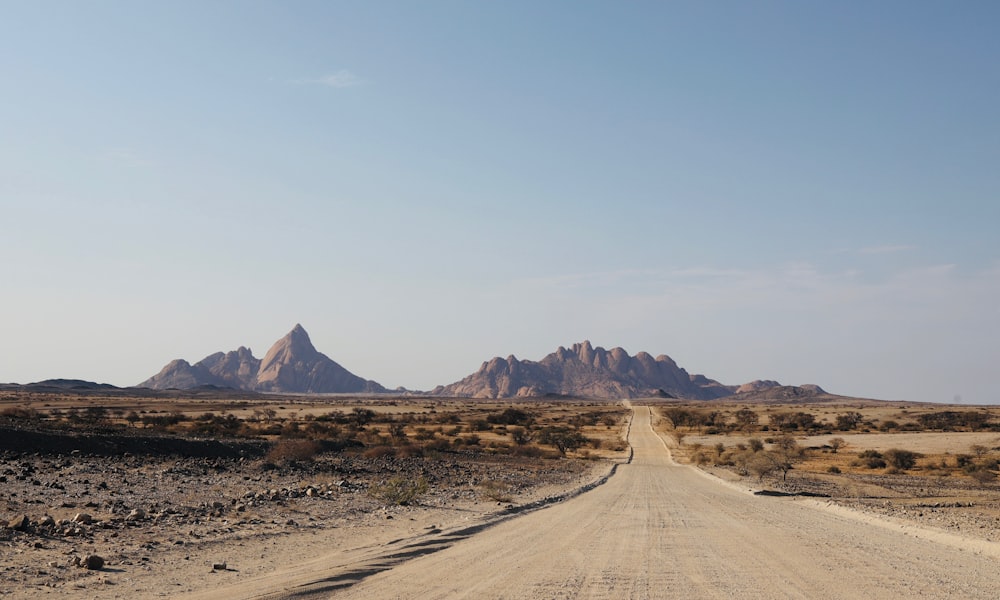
(801, 191)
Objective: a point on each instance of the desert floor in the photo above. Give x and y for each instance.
(656, 529)
(636, 526)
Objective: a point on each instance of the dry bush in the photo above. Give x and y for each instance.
(399, 491)
(496, 491)
(901, 459)
(379, 451)
(20, 412)
(293, 450)
(983, 476)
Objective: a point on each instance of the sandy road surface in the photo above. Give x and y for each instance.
(659, 530)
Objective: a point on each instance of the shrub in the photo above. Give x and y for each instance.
(833, 469)
(561, 438)
(399, 491)
(20, 412)
(901, 459)
(983, 476)
(379, 451)
(848, 421)
(496, 491)
(528, 451)
(746, 418)
(760, 464)
(871, 459)
(289, 450)
(755, 444)
(511, 416)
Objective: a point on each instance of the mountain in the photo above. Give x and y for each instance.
(292, 365)
(586, 371)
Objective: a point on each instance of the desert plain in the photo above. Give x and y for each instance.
(224, 496)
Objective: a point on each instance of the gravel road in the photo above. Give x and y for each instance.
(660, 530)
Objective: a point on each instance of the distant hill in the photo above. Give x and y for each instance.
(292, 365)
(586, 371)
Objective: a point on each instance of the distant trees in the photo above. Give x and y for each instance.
(849, 421)
(746, 419)
(788, 421)
(951, 419)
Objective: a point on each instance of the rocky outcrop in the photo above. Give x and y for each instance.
(757, 385)
(292, 365)
(587, 371)
(237, 369)
(181, 375)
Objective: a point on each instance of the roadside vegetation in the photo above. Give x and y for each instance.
(768, 441)
(299, 429)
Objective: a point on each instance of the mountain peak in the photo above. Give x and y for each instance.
(292, 364)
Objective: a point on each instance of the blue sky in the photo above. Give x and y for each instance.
(799, 191)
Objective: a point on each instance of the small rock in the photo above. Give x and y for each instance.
(84, 518)
(92, 562)
(20, 523)
(136, 514)
(219, 566)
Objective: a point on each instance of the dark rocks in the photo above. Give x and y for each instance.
(91, 562)
(21, 523)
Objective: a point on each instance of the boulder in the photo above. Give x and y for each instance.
(21, 523)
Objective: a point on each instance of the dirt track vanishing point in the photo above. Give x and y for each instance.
(654, 530)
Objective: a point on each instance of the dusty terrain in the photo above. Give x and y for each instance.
(221, 520)
(163, 511)
(657, 529)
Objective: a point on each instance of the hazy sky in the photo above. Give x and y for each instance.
(802, 191)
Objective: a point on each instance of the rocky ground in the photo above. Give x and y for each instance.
(956, 505)
(75, 521)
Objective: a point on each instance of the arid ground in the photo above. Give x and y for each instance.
(418, 498)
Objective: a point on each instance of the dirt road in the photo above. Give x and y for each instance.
(660, 530)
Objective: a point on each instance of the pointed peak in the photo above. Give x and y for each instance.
(298, 336)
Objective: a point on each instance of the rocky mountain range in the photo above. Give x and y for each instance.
(292, 365)
(584, 370)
